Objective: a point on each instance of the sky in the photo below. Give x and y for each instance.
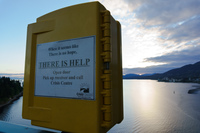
(157, 35)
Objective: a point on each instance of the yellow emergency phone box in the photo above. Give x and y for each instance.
(73, 70)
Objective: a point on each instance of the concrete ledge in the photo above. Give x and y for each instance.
(13, 128)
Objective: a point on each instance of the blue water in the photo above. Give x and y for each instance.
(149, 107)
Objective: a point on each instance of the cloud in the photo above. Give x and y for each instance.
(154, 12)
(184, 32)
(168, 61)
(148, 70)
(179, 58)
(157, 35)
(19, 76)
(165, 12)
(118, 8)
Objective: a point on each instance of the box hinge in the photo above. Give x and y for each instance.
(106, 115)
(106, 76)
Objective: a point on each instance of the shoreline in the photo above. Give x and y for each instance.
(11, 100)
(194, 91)
(162, 80)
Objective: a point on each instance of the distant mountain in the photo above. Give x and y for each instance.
(187, 71)
(191, 71)
(135, 76)
(148, 74)
(130, 76)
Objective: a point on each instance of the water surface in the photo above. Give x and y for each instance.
(149, 107)
(152, 106)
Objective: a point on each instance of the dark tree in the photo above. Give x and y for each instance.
(9, 88)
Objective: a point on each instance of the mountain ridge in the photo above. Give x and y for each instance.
(189, 71)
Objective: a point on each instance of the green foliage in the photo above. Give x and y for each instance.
(9, 88)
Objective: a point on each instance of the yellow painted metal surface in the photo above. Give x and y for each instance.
(95, 115)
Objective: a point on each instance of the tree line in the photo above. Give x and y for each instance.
(9, 88)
